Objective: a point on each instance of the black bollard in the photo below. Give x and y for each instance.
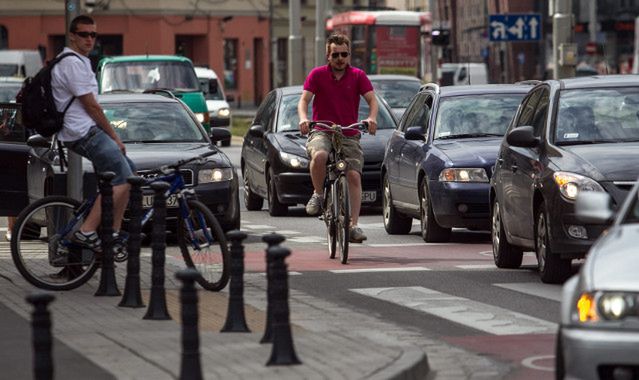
(132, 295)
(108, 285)
(235, 320)
(272, 240)
(41, 336)
(157, 301)
(283, 351)
(190, 368)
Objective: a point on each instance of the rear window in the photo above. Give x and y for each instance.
(140, 76)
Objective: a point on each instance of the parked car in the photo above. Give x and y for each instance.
(9, 88)
(216, 101)
(455, 74)
(274, 159)
(20, 63)
(397, 90)
(156, 131)
(569, 136)
(439, 160)
(598, 335)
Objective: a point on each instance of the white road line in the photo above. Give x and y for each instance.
(390, 245)
(259, 227)
(480, 316)
(367, 270)
(476, 266)
(307, 239)
(293, 273)
(547, 291)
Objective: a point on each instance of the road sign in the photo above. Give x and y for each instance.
(515, 27)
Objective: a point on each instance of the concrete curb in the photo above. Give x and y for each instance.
(412, 364)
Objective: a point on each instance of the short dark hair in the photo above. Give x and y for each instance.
(337, 39)
(82, 19)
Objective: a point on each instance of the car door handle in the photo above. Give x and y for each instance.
(514, 168)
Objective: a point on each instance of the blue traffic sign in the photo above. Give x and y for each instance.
(514, 27)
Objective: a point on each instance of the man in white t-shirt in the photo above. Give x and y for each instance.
(86, 130)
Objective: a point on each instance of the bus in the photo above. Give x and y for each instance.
(386, 42)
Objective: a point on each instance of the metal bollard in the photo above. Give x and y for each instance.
(132, 295)
(190, 368)
(108, 285)
(157, 301)
(235, 320)
(283, 351)
(41, 336)
(272, 239)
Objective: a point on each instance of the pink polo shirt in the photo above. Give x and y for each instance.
(337, 100)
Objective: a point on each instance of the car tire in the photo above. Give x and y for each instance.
(234, 222)
(431, 231)
(395, 223)
(252, 201)
(275, 208)
(552, 268)
(505, 254)
(560, 369)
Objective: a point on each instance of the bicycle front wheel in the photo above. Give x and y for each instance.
(40, 249)
(343, 217)
(204, 246)
(329, 220)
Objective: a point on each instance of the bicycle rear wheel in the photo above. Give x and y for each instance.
(37, 242)
(343, 217)
(204, 246)
(329, 220)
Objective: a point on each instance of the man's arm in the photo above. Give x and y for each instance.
(372, 115)
(302, 111)
(97, 114)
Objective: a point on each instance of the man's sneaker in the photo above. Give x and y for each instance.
(357, 235)
(90, 241)
(314, 205)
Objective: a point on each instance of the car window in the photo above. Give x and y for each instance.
(11, 128)
(8, 92)
(212, 89)
(587, 116)
(472, 115)
(397, 93)
(288, 120)
(528, 107)
(140, 76)
(261, 116)
(541, 113)
(419, 112)
(159, 122)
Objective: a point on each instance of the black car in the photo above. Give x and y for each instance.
(275, 162)
(156, 130)
(438, 162)
(569, 136)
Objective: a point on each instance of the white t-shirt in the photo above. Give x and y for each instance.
(73, 77)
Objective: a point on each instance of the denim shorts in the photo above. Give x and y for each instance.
(104, 153)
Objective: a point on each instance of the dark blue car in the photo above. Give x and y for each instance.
(439, 160)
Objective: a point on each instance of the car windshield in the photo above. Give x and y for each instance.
(397, 93)
(287, 119)
(8, 92)
(212, 89)
(141, 76)
(148, 122)
(591, 116)
(8, 70)
(475, 115)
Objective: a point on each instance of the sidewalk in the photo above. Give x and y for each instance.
(97, 339)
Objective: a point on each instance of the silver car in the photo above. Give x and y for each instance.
(598, 336)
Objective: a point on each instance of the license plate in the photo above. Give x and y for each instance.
(147, 201)
(369, 196)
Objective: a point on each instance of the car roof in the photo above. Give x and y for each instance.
(145, 58)
(475, 89)
(134, 98)
(392, 77)
(599, 81)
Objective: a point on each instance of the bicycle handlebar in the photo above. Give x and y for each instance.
(167, 169)
(328, 126)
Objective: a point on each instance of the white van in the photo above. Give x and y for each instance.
(19, 63)
(216, 101)
(453, 74)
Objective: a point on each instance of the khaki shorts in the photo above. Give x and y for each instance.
(351, 149)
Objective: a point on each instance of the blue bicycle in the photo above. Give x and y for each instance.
(40, 237)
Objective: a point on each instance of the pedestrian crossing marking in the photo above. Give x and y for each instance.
(369, 270)
(422, 244)
(476, 266)
(476, 315)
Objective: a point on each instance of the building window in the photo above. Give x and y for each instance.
(282, 64)
(230, 63)
(4, 37)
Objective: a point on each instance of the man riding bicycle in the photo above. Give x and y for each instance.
(335, 89)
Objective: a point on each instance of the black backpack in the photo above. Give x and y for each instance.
(38, 106)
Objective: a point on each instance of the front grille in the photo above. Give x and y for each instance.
(186, 173)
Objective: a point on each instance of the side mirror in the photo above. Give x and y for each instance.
(38, 141)
(593, 207)
(230, 98)
(220, 134)
(256, 131)
(522, 137)
(415, 133)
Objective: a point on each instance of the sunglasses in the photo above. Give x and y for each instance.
(86, 34)
(344, 54)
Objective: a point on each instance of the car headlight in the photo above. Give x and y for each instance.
(223, 112)
(570, 184)
(463, 175)
(215, 175)
(606, 306)
(293, 160)
(200, 117)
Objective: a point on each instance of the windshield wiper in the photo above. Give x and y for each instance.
(581, 142)
(469, 135)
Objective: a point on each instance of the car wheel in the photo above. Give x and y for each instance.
(275, 208)
(552, 268)
(252, 201)
(431, 231)
(505, 254)
(560, 370)
(394, 222)
(234, 222)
